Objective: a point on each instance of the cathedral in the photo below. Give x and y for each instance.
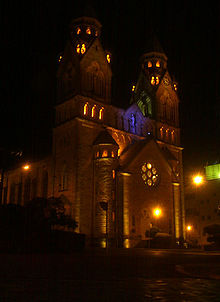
(118, 170)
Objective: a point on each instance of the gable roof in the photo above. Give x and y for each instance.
(104, 138)
(130, 154)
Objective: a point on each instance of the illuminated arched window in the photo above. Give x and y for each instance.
(86, 109)
(113, 154)
(152, 81)
(113, 174)
(149, 64)
(83, 48)
(105, 153)
(78, 48)
(93, 110)
(88, 31)
(157, 80)
(97, 154)
(158, 64)
(101, 113)
(108, 57)
(78, 30)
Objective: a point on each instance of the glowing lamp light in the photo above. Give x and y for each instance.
(88, 31)
(133, 88)
(78, 31)
(152, 81)
(198, 180)
(78, 48)
(108, 58)
(149, 166)
(158, 64)
(83, 49)
(26, 167)
(189, 227)
(157, 212)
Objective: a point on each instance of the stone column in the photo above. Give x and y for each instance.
(103, 203)
(123, 198)
(177, 210)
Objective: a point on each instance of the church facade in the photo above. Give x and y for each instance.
(118, 170)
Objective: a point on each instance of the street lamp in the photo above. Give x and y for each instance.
(197, 180)
(157, 212)
(189, 228)
(26, 167)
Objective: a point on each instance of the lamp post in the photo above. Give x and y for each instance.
(157, 212)
(188, 229)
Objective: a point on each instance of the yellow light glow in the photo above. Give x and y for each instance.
(133, 88)
(175, 87)
(189, 227)
(152, 81)
(149, 166)
(78, 48)
(83, 49)
(88, 31)
(78, 30)
(149, 64)
(105, 153)
(60, 58)
(157, 212)
(157, 80)
(85, 109)
(101, 113)
(113, 154)
(126, 243)
(113, 174)
(108, 58)
(93, 110)
(198, 179)
(26, 167)
(158, 64)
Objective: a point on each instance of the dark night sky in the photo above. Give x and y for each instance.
(33, 35)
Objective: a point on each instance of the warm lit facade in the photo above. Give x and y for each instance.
(202, 200)
(114, 167)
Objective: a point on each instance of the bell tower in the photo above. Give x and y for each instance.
(84, 67)
(156, 93)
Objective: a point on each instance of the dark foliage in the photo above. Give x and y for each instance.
(32, 228)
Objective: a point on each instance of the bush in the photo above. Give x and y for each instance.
(30, 228)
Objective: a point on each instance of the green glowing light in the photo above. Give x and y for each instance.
(212, 172)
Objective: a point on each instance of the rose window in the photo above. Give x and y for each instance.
(149, 174)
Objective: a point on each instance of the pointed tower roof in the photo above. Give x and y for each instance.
(153, 48)
(104, 138)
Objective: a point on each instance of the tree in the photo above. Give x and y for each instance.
(50, 211)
